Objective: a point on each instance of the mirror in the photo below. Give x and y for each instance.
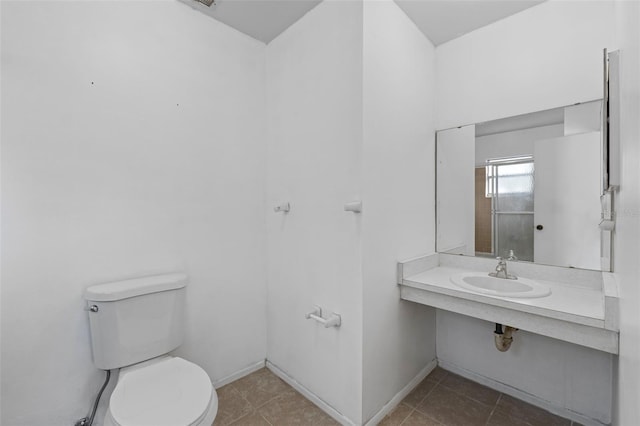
(524, 188)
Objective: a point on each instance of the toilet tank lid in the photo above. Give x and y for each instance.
(119, 290)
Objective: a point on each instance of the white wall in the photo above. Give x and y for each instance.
(398, 217)
(547, 56)
(544, 57)
(566, 375)
(314, 97)
(627, 235)
(157, 166)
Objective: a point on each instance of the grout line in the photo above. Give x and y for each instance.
(266, 402)
(408, 415)
(428, 393)
(446, 374)
(423, 399)
(241, 417)
(253, 409)
(430, 417)
(265, 419)
(494, 409)
(283, 393)
(471, 397)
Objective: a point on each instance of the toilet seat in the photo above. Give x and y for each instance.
(167, 392)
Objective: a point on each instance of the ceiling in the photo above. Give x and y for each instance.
(439, 20)
(444, 20)
(263, 20)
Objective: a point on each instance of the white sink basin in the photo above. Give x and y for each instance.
(484, 284)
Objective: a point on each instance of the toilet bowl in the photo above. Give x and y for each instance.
(167, 391)
(135, 324)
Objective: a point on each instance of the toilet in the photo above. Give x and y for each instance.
(134, 325)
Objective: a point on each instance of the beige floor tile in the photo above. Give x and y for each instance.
(470, 389)
(397, 416)
(453, 409)
(260, 387)
(438, 374)
(533, 415)
(262, 399)
(418, 419)
(231, 406)
(417, 395)
(500, 419)
(253, 419)
(294, 409)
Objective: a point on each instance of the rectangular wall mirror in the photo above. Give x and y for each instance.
(524, 188)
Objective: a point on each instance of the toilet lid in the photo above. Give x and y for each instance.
(171, 392)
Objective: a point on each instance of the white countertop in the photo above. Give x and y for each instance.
(581, 309)
(577, 304)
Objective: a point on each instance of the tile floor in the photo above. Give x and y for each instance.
(442, 399)
(446, 399)
(263, 399)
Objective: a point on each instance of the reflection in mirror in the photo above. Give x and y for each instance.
(506, 221)
(523, 188)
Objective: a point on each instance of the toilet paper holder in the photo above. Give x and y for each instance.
(334, 320)
(284, 207)
(353, 206)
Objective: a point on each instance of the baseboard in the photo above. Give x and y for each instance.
(337, 416)
(517, 393)
(389, 406)
(239, 374)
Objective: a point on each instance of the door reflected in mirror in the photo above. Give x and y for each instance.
(524, 188)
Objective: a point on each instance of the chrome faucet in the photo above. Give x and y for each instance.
(501, 270)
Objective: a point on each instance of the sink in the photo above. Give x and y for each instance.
(484, 284)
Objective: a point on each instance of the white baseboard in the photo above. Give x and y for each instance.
(337, 416)
(238, 374)
(517, 393)
(397, 399)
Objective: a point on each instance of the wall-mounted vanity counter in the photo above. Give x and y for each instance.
(582, 307)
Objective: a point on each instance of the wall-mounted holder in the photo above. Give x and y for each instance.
(353, 206)
(333, 321)
(607, 225)
(284, 207)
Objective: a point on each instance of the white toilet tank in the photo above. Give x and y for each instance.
(135, 320)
